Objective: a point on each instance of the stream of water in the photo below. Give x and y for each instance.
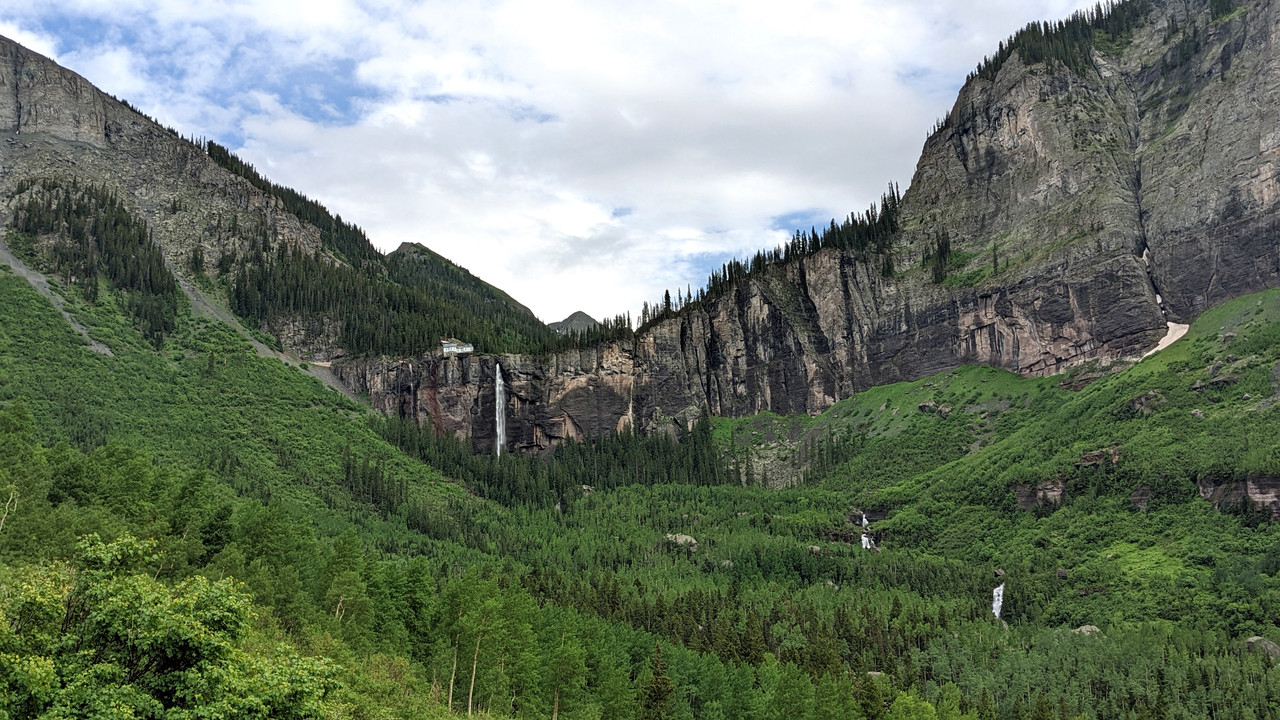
(499, 411)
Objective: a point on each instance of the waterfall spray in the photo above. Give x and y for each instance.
(499, 411)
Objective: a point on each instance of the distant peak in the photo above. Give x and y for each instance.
(577, 322)
(407, 247)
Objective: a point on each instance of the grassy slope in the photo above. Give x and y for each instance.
(207, 402)
(273, 433)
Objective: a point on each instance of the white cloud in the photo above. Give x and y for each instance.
(42, 43)
(580, 155)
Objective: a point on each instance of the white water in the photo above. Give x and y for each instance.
(867, 543)
(499, 411)
(997, 600)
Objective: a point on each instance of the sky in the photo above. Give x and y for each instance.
(578, 155)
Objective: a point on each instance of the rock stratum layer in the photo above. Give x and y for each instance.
(1114, 201)
(55, 124)
(1085, 209)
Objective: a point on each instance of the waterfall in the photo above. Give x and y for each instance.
(997, 600)
(499, 411)
(413, 394)
(867, 542)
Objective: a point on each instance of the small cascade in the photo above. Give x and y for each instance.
(413, 394)
(867, 542)
(499, 411)
(997, 600)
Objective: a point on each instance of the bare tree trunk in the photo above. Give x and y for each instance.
(555, 704)
(453, 673)
(12, 504)
(475, 660)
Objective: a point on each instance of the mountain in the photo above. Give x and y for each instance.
(288, 267)
(1095, 181)
(192, 527)
(577, 322)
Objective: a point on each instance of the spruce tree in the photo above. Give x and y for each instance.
(656, 698)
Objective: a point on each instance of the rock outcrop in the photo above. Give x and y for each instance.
(1086, 210)
(56, 125)
(1089, 209)
(1257, 491)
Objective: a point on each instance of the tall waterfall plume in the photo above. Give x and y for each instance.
(499, 410)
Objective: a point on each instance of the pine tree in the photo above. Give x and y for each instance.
(655, 700)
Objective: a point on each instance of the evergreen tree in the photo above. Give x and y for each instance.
(658, 692)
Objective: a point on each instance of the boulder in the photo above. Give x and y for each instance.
(683, 541)
(1260, 644)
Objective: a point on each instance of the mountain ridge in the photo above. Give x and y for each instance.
(1077, 215)
(1056, 217)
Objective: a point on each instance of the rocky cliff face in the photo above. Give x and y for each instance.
(1086, 210)
(56, 125)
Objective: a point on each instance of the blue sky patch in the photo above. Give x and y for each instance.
(521, 113)
(703, 264)
(800, 220)
(328, 93)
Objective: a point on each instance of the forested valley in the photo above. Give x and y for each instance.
(191, 527)
(307, 558)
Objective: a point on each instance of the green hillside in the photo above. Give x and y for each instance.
(401, 303)
(378, 581)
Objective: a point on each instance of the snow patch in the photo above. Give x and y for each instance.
(1175, 332)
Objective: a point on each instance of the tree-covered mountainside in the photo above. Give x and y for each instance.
(191, 528)
(82, 233)
(391, 573)
(402, 303)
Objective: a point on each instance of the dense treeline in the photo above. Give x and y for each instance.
(379, 315)
(868, 235)
(344, 239)
(96, 236)
(1068, 42)
(375, 315)
(398, 304)
(599, 463)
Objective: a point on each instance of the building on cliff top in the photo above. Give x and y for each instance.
(454, 346)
